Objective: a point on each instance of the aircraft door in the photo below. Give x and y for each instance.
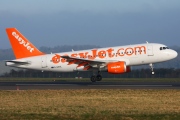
(43, 62)
(150, 50)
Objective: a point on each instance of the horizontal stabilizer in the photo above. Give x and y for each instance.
(16, 62)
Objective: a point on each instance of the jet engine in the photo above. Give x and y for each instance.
(118, 68)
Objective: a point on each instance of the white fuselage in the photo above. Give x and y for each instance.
(138, 54)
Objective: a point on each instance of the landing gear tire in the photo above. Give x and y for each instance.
(93, 78)
(99, 77)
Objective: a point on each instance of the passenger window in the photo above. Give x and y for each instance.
(160, 48)
(164, 48)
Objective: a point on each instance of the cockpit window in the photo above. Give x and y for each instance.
(163, 48)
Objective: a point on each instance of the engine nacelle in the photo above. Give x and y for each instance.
(118, 68)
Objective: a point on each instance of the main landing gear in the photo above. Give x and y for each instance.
(152, 70)
(97, 77)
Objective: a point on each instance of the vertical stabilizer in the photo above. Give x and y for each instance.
(22, 48)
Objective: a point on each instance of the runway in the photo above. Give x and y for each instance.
(60, 85)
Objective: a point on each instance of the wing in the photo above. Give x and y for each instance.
(87, 63)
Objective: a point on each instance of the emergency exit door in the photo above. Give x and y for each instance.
(43, 62)
(150, 50)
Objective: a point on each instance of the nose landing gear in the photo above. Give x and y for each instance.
(152, 69)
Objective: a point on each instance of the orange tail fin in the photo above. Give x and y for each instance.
(21, 46)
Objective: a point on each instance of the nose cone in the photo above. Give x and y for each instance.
(173, 54)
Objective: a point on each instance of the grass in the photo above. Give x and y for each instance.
(90, 104)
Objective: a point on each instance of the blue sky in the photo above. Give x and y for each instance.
(94, 22)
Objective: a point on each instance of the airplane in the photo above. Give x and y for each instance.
(114, 60)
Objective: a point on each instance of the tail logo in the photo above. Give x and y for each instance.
(23, 42)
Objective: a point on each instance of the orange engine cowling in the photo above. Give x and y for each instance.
(118, 68)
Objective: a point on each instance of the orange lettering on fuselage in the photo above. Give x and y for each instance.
(139, 49)
(83, 55)
(93, 55)
(103, 53)
(129, 51)
(56, 59)
(110, 54)
(120, 52)
(74, 55)
(63, 60)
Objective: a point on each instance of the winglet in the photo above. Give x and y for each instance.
(21, 46)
